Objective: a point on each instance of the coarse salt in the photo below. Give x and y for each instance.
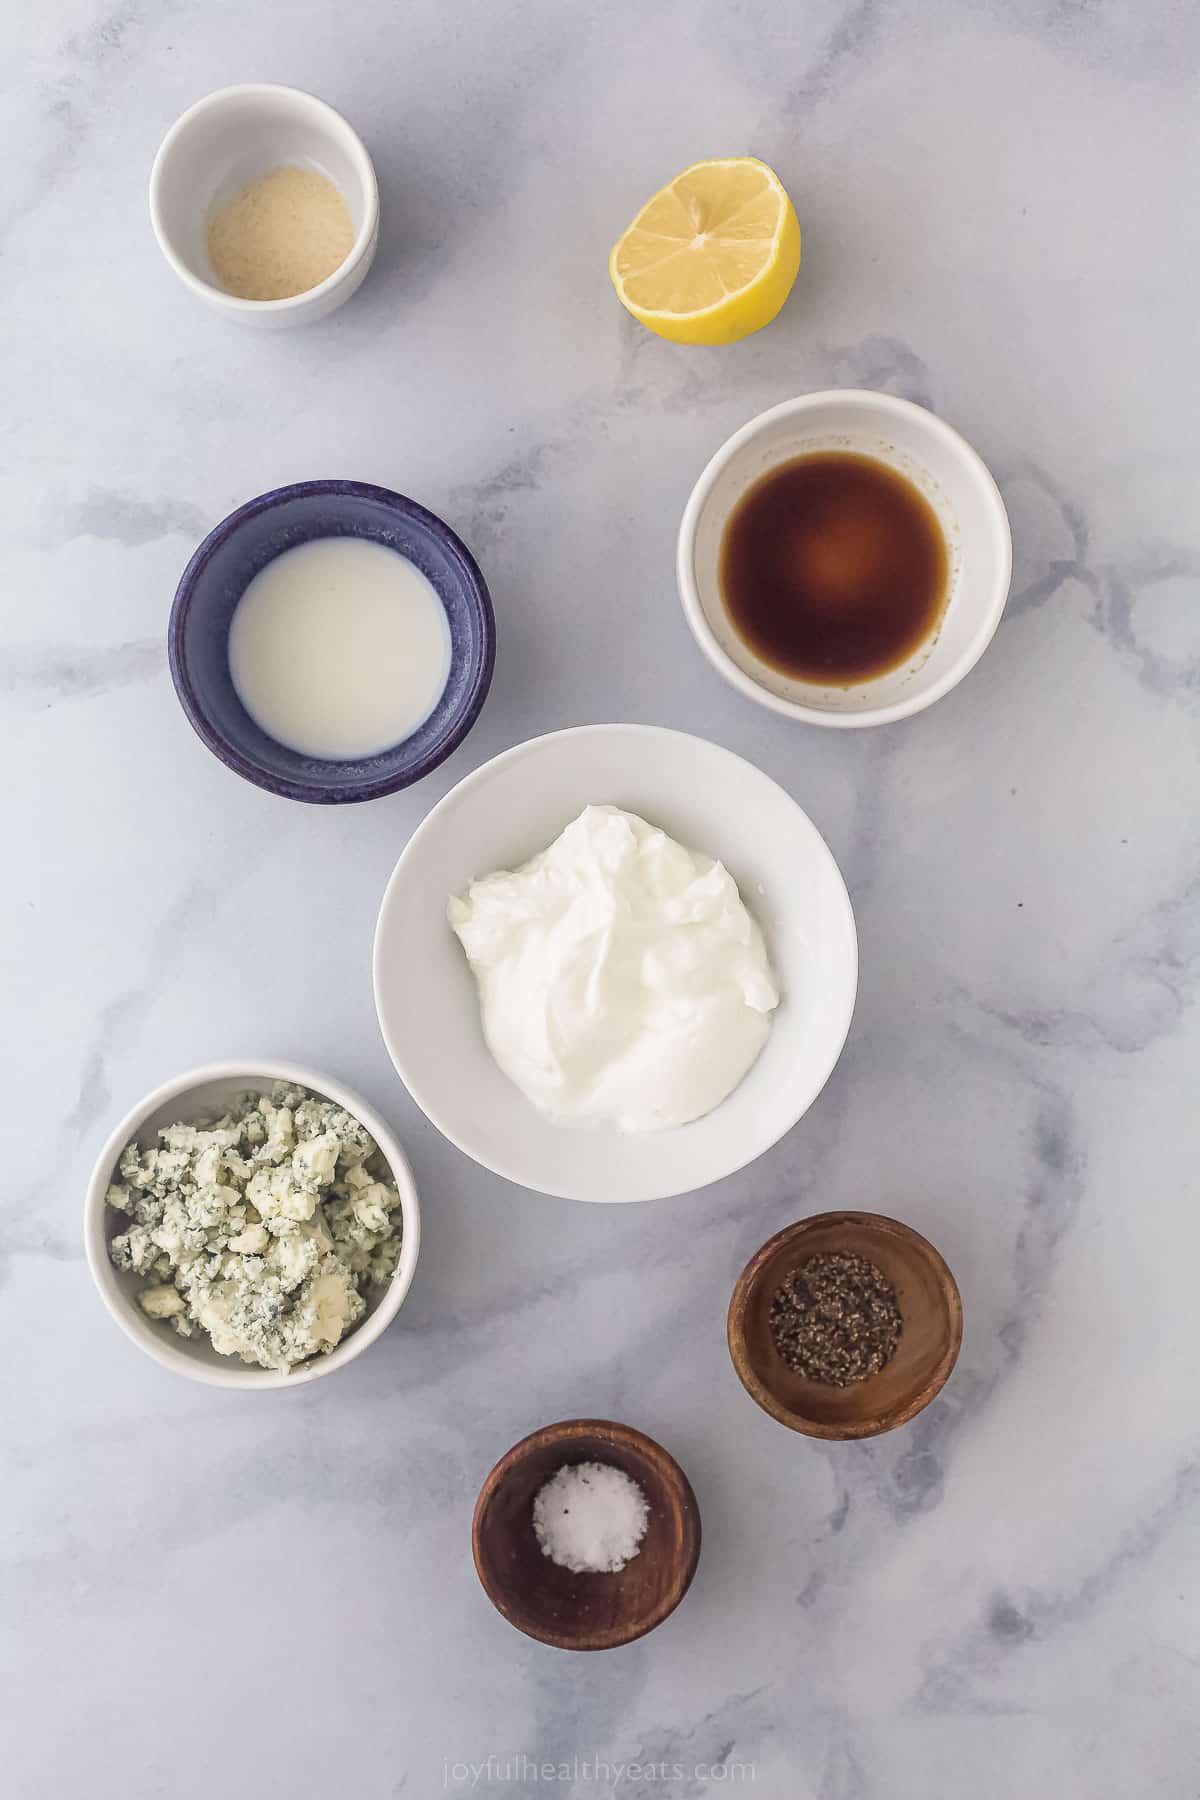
(590, 1517)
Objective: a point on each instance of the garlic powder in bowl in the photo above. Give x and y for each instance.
(265, 204)
(280, 235)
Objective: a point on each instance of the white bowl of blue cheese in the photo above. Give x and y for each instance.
(252, 1225)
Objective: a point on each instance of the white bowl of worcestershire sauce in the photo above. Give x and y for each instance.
(844, 558)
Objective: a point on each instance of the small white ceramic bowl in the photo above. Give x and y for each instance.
(953, 479)
(201, 1096)
(508, 810)
(232, 137)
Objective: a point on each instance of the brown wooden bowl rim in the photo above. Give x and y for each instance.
(565, 1431)
(877, 1423)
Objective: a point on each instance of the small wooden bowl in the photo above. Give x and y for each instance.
(930, 1307)
(585, 1611)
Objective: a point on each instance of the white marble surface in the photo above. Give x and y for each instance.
(212, 1596)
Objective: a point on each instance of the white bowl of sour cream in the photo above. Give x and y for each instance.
(514, 808)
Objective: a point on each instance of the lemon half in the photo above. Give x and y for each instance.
(713, 256)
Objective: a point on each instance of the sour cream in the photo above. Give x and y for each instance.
(620, 976)
(339, 648)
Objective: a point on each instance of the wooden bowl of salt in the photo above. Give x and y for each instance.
(585, 1609)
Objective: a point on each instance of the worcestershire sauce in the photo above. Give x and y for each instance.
(834, 569)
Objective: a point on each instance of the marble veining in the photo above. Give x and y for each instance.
(125, 519)
(998, 1600)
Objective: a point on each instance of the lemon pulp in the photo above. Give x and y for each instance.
(712, 257)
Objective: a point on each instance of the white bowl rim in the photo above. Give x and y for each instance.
(239, 1374)
(359, 153)
(866, 400)
(498, 1166)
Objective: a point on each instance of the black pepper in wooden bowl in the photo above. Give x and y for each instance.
(834, 1319)
(925, 1347)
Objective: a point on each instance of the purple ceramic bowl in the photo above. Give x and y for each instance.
(228, 560)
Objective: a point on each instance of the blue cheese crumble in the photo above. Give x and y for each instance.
(262, 1230)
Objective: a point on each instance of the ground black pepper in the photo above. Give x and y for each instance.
(834, 1319)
